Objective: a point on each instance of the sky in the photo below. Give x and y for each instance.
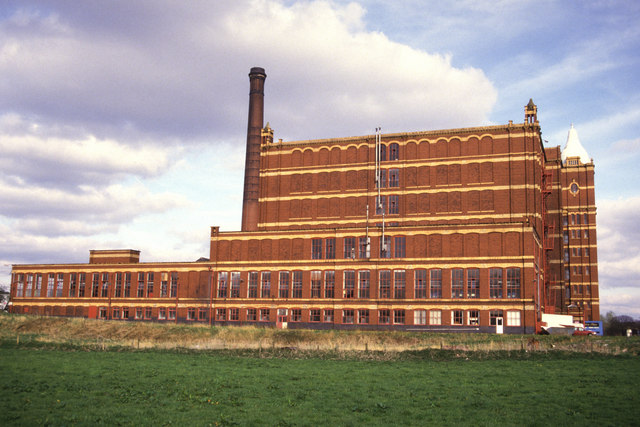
(123, 124)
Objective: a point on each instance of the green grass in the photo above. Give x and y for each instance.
(54, 386)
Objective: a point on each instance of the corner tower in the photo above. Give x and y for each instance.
(578, 210)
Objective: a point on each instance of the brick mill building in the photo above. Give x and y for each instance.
(473, 229)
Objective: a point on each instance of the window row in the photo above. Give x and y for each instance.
(577, 270)
(359, 247)
(391, 284)
(98, 285)
(575, 219)
(386, 284)
(363, 316)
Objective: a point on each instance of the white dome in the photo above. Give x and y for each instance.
(573, 148)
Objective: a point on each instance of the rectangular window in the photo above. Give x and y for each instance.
(384, 316)
(385, 247)
(329, 284)
(585, 219)
(363, 316)
(420, 283)
(164, 284)
(296, 315)
(419, 317)
(191, 313)
(347, 316)
(394, 178)
(493, 316)
(140, 292)
(330, 248)
(150, 277)
(363, 246)
(381, 204)
(349, 247)
(297, 284)
(253, 284)
(349, 284)
(38, 285)
(565, 237)
(457, 317)
(457, 283)
(436, 283)
(105, 285)
(139, 314)
(394, 204)
(147, 313)
(265, 292)
(264, 314)
(363, 283)
(102, 313)
(435, 317)
(162, 313)
(315, 315)
(398, 317)
(399, 284)
(221, 314)
(82, 284)
(51, 284)
(118, 285)
(473, 317)
(20, 286)
(382, 182)
(59, 284)
(173, 289)
(316, 284)
(202, 314)
(223, 279)
(283, 285)
(95, 285)
(399, 247)
(252, 314)
(235, 284)
(513, 283)
(385, 284)
(513, 318)
(125, 312)
(566, 255)
(495, 283)
(73, 282)
(115, 314)
(127, 285)
(30, 285)
(172, 313)
(316, 249)
(234, 314)
(327, 316)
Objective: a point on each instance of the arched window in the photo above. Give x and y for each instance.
(394, 151)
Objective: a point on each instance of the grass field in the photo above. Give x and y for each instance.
(62, 387)
(51, 375)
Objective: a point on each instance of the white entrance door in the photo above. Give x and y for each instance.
(499, 328)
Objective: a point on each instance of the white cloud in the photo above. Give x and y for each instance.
(321, 59)
(619, 242)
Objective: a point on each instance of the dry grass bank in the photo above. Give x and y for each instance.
(142, 335)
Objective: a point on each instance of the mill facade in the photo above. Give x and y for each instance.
(475, 229)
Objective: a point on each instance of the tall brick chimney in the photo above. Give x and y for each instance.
(250, 211)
